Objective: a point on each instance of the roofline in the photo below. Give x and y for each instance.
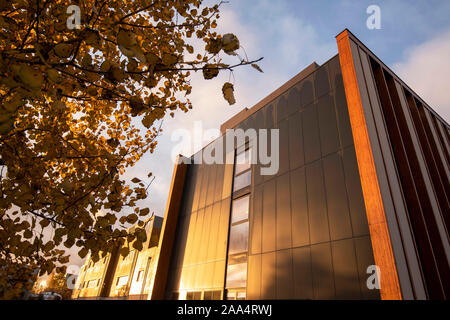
(374, 56)
(246, 112)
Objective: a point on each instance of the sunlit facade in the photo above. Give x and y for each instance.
(355, 146)
(116, 277)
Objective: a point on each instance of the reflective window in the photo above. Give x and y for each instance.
(238, 238)
(237, 275)
(243, 161)
(241, 295)
(194, 295)
(240, 209)
(139, 275)
(212, 295)
(237, 258)
(92, 284)
(243, 180)
(121, 281)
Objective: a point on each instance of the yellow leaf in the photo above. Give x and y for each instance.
(144, 212)
(124, 251)
(169, 59)
(228, 93)
(254, 65)
(126, 38)
(132, 218)
(63, 50)
(230, 43)
(83, 252)
(210, 71)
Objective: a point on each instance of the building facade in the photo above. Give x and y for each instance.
(118, 277)
(362, 185)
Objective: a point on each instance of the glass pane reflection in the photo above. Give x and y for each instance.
(238, 238)
(243, 161)
(237, 275)
(240, 209)
(242, 180)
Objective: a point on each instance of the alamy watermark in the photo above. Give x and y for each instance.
(74, 19)
(264, 146)
(72, 273)
(374, 20)
(373, 281)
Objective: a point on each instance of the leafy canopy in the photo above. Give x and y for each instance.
(71, 103)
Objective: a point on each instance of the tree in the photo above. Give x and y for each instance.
(57, 282)
(76, 78)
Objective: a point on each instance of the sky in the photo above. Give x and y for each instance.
(414, 41)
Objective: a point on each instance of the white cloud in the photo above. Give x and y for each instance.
(426, 70)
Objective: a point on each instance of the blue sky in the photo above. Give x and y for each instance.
(404, 24)
(414, 40)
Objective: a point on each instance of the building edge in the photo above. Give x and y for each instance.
(376, 217)
(168, 230)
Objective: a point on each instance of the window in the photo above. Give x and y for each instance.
(236, 295)
(194, 295)
(190, 296)
(121, 281)
(212, 295)
(217, 295)
(92, 283)
(243, 162)
(139, 275)
(238, 238)
(240, 209)
(242, 180)
(207, 295)
(236, 275)
(242, 170)
(241, 295)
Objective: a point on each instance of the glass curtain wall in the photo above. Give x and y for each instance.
(236, 277)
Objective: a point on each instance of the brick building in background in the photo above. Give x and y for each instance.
(116, 277)
(363, 180)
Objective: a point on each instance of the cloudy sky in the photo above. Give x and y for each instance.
(414, 40)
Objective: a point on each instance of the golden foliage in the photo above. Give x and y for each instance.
(69, 101)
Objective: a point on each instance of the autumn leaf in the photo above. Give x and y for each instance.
(82, 252)
(63, 50)
(137, 245)
(132, 218)
(230, 43)
(169, 59)
(124, 251)
(228, 93)
(144, 212)
(254, 65)
(210, 71)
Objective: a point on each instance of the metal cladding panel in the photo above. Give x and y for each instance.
(409, 144)
(295, 215)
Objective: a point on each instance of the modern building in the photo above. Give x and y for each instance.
(118, 277)
(362, 185)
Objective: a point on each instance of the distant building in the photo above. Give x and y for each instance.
(116, 277)
(363, 180)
